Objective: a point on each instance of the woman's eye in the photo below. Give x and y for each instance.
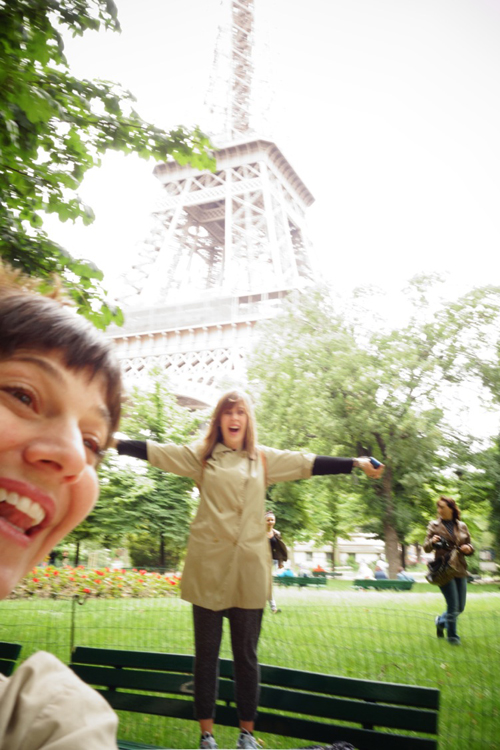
(93, 445)
(21, 395)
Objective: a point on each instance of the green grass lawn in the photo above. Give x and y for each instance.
(378, 635)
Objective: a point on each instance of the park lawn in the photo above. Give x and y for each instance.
(375, 635)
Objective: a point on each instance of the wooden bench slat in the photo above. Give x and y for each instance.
(329, 733)
(383, 692)
(154, 660)
(7, 667)
(361, 712)
(9, 653)
(159, 682)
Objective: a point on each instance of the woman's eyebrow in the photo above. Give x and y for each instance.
(41, 363)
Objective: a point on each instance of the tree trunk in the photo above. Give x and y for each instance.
(162, 551)
(391, 549)
(390, 534)
(77, 555)
(403, 555)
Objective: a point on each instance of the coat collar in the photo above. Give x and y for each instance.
(221, 448)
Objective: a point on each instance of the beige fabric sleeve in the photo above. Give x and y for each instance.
(44, 705)
(286, 466)
(183, 460)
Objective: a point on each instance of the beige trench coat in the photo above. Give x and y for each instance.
(228, 562)
(45, 705)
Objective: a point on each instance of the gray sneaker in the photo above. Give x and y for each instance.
(207, 740)
(247, 740)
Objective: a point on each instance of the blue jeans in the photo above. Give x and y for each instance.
(455, 593)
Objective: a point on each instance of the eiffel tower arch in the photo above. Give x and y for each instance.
(225, 247)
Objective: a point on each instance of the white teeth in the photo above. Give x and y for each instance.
(24, 504)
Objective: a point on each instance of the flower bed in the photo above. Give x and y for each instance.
(51, 582)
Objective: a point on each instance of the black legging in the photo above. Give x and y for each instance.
(245, 629)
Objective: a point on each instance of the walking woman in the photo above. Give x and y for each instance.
(443, 534)
(227, 572)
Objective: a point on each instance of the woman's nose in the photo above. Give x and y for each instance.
(58, 450)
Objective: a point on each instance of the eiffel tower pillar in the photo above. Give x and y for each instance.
(225, 250)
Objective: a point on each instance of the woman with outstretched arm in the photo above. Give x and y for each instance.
(227, 571)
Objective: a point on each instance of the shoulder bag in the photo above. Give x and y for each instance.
(441, 570)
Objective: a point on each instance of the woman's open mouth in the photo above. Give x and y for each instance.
(22, 513)
(24, 509)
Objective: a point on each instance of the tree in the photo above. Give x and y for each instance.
(54, 128)
(140, 501)
(330, 385)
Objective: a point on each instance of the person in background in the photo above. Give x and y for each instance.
(278, 551)
(60, 400)
(227, 572)
(380, 574)
(443, 534)
(402, 575)
(364, 571)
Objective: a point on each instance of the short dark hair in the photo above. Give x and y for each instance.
(29, 320)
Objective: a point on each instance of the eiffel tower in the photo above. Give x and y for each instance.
(226, 247)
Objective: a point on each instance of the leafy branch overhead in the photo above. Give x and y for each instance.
(55, 127)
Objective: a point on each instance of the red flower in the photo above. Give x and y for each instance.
(86, 591)
(143, 572)
(56, 572)
(35, 580)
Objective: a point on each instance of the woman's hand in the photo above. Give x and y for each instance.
(435, 539)
(466, 549)
(364, 463)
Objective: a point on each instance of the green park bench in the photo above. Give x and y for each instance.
(8, 657)
(293, 703)
(299, 581)
(383, 583)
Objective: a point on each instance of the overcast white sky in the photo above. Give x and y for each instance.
(389, 111)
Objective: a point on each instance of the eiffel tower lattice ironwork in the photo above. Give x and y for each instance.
(226, 246)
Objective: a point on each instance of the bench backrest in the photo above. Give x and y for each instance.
(9, 653)
(383, 583)
(317, 698)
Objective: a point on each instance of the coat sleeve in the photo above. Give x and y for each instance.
(286, 466)
(465, 532)
(431, 530)
(184, 460)
(44, 705)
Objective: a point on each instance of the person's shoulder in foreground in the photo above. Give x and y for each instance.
(60, 399)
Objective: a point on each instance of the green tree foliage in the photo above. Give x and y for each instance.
(331, 385)
(53, 128)
(139, 501)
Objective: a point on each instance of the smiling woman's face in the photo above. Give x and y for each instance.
(54, 423)
(233, 426)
